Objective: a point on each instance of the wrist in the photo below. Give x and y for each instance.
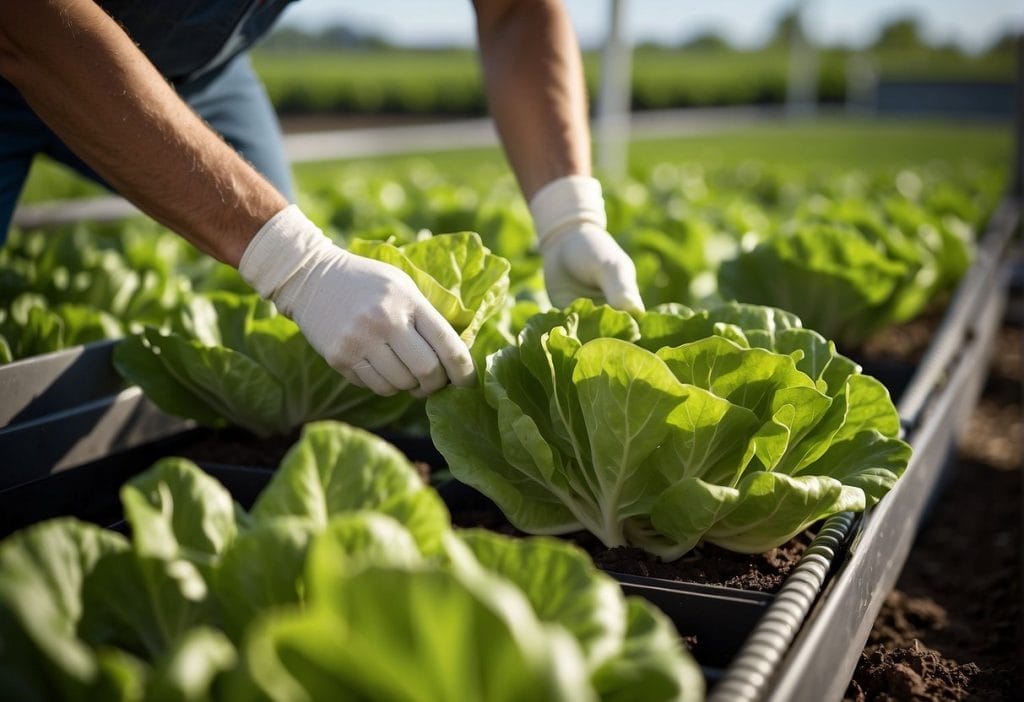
(282, 247)
(567, 203)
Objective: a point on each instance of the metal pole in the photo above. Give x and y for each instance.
(861, 85)
(616, 92)
(802, 81)
(1018, 169)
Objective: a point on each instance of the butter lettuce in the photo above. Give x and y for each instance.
(460, 277)
(734, 426)
(232, 359)
(33, 326)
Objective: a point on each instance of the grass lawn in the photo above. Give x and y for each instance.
(829, 144)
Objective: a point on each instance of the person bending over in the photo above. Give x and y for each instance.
(157, 100)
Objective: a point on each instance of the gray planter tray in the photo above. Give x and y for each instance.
(65, 409)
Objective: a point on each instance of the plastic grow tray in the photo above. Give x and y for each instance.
(65, 409)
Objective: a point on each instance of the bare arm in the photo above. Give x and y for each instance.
(534, 75)
(93, 87)
(535, 87)
(86, 79)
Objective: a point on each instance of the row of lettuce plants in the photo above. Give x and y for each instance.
(344, 581)
(879, 246)
(760, 426)
(724, 382)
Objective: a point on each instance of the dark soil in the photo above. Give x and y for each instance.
(238, 447)
(903, 343)
(914, 672)
(707, 564)
(951, 630)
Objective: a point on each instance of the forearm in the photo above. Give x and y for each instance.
(534, 76)
(85, 78)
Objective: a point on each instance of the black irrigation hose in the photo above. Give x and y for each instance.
(757, 661)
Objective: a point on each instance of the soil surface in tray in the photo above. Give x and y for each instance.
(238, 447)
(707, 564)
(951, 629)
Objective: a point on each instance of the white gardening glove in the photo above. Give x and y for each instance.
(366, 318)
(581, 259)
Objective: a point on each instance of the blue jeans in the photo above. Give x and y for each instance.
(233, 102)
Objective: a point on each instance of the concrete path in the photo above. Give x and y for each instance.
(478, 133)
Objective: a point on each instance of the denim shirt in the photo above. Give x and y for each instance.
(189, 39)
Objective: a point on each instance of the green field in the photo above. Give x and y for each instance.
(690, 205)
(828, 144)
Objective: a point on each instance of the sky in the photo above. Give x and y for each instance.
(973, 24)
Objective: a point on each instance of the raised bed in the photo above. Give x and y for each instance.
(72, 433)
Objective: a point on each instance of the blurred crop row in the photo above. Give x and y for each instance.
(880, 243)
(332, 73)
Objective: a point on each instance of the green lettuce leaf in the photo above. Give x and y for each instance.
(42, 574)
(630, 647)
(459, 276)
(234, 360)
(261, 569)
(649, 665)
(143, 604)
(380, 624)
(186, 673)
(334, 469)
(178, 511)
(732, 425)
(853, 280)
(563, 587)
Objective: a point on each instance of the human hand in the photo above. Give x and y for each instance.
(366, 318)
(581, 259)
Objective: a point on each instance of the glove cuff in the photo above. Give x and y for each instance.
(567, 202)
(281, 248)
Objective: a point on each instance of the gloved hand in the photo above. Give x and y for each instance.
(581, 259)
(366, 318)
